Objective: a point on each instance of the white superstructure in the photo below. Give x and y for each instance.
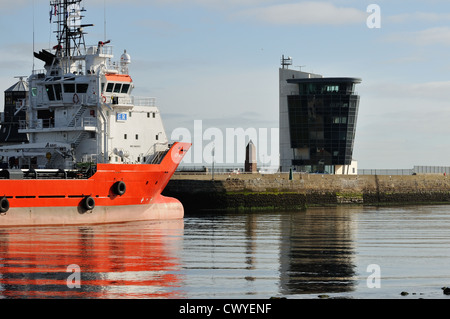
(81, 108)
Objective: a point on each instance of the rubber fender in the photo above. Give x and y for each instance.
(119, 188)
(4, 205)
(88, 203)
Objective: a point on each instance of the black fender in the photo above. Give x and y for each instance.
(88, 203)
(4, 205)
(119, 188)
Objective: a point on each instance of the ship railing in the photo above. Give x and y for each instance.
(39, 73)
(66, 99)
(80, 99)
(95, 49)
(90, 159)
(36, 124)
(115, 100)
(156, 153)
(42, 124)
(8, 118)
(85, 122)
(23, 125)
(144, 101)
(84, 99)
(133, 100)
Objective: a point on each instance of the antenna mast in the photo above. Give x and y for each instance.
(286, 62)
(69, 32)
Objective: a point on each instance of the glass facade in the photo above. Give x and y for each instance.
(322, 121)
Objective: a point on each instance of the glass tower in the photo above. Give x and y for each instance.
(322, 116)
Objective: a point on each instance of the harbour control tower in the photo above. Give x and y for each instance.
(318, 117)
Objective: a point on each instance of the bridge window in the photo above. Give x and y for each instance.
(117, 88)
(110, 88)
(50, 92)
(82, 88)
(125, 88)
(69, 88)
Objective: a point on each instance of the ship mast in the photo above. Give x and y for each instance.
(69, 33)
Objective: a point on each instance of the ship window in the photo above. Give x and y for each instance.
(154, 115)
(125, 88)
(50, 92)
(69, 88)
(110, 87)
(58, 91)
(125, 136)
(82, 88)
(34, 91)
(117, 88)
(137, 136)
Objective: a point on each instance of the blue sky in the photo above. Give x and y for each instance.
(217, 61)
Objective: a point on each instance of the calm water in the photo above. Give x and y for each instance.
(296, 255)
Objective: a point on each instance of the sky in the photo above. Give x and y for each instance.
(216, 62)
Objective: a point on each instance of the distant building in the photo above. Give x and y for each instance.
(15, 99)
(317, 122)
(250, 158)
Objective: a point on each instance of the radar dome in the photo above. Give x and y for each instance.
(125, 58)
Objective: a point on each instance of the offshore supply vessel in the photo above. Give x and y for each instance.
(93, 153)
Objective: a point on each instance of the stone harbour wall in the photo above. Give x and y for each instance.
(247, 191)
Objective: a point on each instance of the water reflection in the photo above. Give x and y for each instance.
(117, 261)
(236, 255)
(265, 254)
(317, 252)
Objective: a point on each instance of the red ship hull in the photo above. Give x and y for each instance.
(115, 193)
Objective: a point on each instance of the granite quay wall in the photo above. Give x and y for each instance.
(248, 191)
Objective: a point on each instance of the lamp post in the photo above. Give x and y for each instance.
(213, 159)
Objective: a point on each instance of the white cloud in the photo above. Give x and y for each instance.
(428, 90)
(431, 36)
(324, 13)
(419, 16)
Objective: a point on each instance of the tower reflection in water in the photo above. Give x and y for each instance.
(134, 260)
(317, 253)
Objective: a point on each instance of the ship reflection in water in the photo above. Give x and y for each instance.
(204, 256)
(135, 260)
(296, 255)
